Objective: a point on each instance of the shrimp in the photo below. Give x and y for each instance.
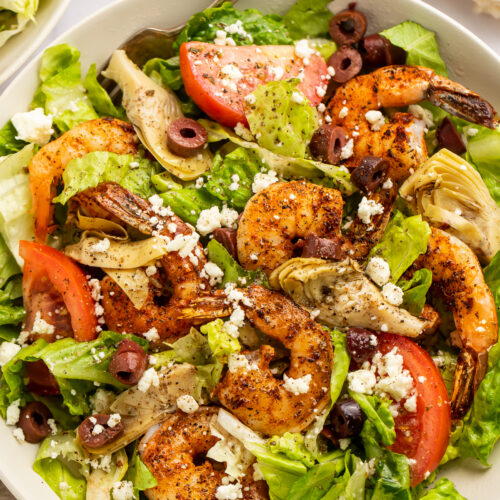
(263, 402)
(458, 279)
(175, 455)
(402, 140)
(282, 213)
(47, 166)
(192, 301)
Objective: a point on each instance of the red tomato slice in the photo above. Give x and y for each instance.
(222, 97)
(422, 436)
(40, 380)
(56, 287)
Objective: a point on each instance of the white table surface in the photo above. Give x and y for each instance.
(487, 28)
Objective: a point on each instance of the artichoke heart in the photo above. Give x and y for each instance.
(151, 108)
(447, 190)
(344, 296)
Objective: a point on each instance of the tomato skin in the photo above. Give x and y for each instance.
(201, 64)
(423, 436)
(42, 262)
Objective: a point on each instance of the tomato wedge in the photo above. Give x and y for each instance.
(56, 288)
(422, 436)
(218, 78)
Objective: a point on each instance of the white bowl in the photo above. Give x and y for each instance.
(18, 48)
(469, 61)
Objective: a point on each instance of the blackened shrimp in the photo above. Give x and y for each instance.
(275, 218)
(192, 301)
(262, 401)
(176, 456)
(402, 140)
(459, 281)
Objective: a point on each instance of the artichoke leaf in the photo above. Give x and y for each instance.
(116, 254)
(100, 482)
(448, 191)
(133, 282)
(344, 296)
(140, 411)
(104, 228)
(151, 108)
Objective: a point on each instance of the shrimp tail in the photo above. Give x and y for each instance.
(205, 307)
(462, 392)
(461, 102)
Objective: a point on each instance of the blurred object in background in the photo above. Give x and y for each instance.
(491, 7)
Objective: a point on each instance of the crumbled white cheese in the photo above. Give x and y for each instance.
(331, 70)
(101, 400)
(237, 362)
(321, 107)
(277, 72)
(348, 150)
(7, 351)
(250, 99)
(472, 132)
(123, 490)
(221, 38)
(321, 90)
(13, 412)
(376, 119)
(297, 386)
(378, 270)
(152, 335)
(343, 112)
(411, 403)
(213, 218)
(368, 208)
(187, 403)
(232, 72)
(243, 132)
(387, 184)
(362, 381)
(150, 271)
(213, 273)
(263, 180)
(41, 327)
(229, 492)
(393, 294)
(18, 434)
(303, 49)
(238, 29)
(148, 379)
(33, 126)
(98, 429)
(423, 114)
(298, 97)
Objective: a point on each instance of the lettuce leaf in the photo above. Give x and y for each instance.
(27, 8)
(11, 23)
(61, 92)
(443, 489)
(255, 28)
(8, 142)
(281, 118)
(139, 474)
(419, 43)
(315, 483)
(492, 277)
(132, 172)
(220, 342)
(293, 447)
(308, 18)
(404, 240)
(415, 291)
(233, 272)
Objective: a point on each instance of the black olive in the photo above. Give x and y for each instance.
(186, 137)
(449, 138)
(361, 344)
(370, 173)
(346, 62)
(346, 419)
(348, 27)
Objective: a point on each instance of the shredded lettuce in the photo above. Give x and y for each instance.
(220, 342)
(281, 118)
(61, 92)
(245, 27)
(308, 18)
(419, 43)
(404, 240)
(132, 172)
(415, 291)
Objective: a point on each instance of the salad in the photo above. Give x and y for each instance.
(15, 16)
(270, 269)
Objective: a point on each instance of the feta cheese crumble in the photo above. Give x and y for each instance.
(421, 113)
(393, 294)
(213, 273)
(33, 126)
(101, 246)
(376, 119)
(368, 208)
(229, 492)
(263, 180)
(7, 351)
(378, 270)
(213, 218)
(152, 335)
(13, 412)
(187, 403)
(41, 327)
(123, 490)
(148, 379)
(297, 386)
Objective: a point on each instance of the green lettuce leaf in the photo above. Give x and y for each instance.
(288, 167)
(492, 277)
(99, 98)
(61, 92)
(8, 142)
(233, 272)
(61, 463)
(308, 18)
(351, 485)
(419, 43)
(484, 152)
(139, 474)
(256, 28)
(27, 8)
(315, 483)
(293, 447)
(415, 291)
(443, 489)
(8, 265)
(11, 315)
(404, 240)
(281, 118)
(132, 172)
(165, 71)
(220, 342)
(11, 23)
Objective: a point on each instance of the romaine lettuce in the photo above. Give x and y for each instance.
(444, 489)
(293, 447)
(403, 241)
(140, 476)
(8, 142)
(245, 27)
(308, 18)
(132, 172)
(415, 291)
(11, 23)
(281, 118)
(27, 8)
(419, 43)
(315, 484)
(220, 342)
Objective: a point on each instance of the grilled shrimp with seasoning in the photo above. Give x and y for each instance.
(192, 301)
(47, 166)
(175, 453)
(402, 140)
(458, 279)
(277, 216)
(263, 402)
